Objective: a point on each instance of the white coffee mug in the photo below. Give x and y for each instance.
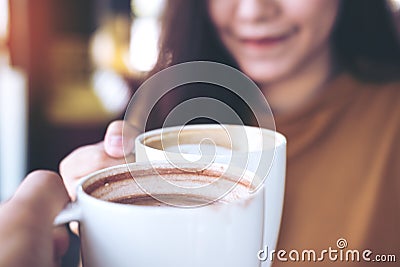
(226, 232)
(255, 149)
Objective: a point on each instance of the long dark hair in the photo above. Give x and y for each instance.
(188, 35)
(365, 38)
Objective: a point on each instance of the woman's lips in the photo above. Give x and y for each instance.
(266, 42)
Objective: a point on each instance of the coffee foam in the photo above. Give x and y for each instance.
(223, 137)
(166, 140)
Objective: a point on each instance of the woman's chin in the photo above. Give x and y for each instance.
(263, 74)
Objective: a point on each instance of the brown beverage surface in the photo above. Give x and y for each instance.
(122, 188)
(146, 200)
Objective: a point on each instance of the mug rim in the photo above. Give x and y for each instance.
(124, 168)
(280, 139)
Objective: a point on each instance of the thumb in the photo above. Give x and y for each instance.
(120, 137)
(41, 193)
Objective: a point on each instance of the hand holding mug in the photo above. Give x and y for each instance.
(27, 234)
(91, 158)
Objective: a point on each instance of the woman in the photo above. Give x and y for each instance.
(329, 70)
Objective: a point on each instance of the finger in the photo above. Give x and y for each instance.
(119, 137)
(60, 242)
(82, 162)
(42, 193)
(74, 227)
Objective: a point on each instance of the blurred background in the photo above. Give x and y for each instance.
(68, 68)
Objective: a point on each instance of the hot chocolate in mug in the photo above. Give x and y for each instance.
(198, 215)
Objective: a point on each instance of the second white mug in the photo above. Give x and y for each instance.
(258, 150)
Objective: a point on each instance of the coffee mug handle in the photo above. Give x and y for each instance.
(72, 212)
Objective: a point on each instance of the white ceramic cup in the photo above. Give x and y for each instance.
(227, 232)
(259, 150)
